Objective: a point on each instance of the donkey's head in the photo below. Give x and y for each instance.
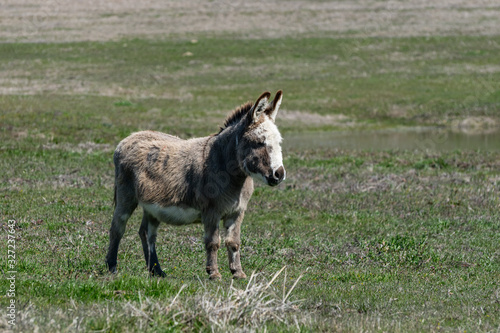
(259, 150)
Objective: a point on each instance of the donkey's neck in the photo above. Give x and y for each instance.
(224, 148)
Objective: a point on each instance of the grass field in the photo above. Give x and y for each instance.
(384, 240)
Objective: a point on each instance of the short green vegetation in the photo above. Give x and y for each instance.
(382, 240)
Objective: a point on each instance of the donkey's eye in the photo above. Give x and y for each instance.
(261, 144)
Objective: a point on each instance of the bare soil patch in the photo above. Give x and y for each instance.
(475, 125)
(83, 147)
(65, 20)
(315, 119)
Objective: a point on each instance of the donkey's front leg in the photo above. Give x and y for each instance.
(212, 244)
(233, 225)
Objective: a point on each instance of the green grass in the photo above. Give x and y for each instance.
(383, 240)
(372, 80)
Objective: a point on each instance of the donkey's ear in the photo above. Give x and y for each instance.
(273, 108)
(260, 105)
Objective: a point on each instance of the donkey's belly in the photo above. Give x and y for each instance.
(173, 214)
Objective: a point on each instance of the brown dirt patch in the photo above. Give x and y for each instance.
(475, 125)
(84, 147)
(68, 20)
(314, 119)
(58, 181)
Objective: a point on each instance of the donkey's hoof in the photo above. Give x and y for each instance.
(239, 275)
(158, 273)
(215, 276)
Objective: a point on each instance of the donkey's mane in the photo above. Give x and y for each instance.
(237, 114)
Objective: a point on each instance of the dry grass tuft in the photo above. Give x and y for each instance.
(260, 303)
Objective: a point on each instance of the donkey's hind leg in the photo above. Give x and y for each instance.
(148, 232)
(125, 206)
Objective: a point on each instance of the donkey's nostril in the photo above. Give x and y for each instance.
(279, 174)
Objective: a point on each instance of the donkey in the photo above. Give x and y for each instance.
(203, 180)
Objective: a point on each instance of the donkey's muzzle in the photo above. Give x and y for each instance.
(277, 176)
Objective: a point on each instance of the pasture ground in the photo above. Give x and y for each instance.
(384, 240)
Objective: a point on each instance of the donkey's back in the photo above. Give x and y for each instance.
(157, 168)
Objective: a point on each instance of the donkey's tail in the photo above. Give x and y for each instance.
(116, 159)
